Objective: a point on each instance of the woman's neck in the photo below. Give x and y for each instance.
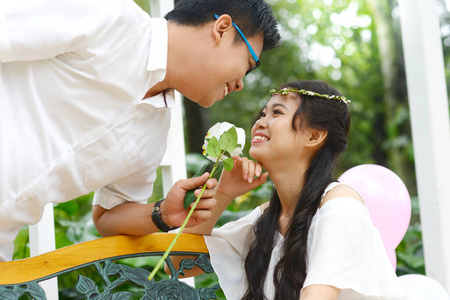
(289, 183)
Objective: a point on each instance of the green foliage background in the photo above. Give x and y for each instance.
(335, 41)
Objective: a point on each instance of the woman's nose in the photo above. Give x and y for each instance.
(261, 123)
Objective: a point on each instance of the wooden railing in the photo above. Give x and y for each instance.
(21, 277)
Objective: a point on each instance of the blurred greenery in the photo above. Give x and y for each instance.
(339, 42)
(410, 258)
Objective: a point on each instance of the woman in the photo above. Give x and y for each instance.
(314, 239)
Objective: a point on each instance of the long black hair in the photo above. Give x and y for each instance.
(290, 271)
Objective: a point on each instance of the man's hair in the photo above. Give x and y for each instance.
(252, 17)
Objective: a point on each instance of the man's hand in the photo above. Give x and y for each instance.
(173, 213)
(135, 219)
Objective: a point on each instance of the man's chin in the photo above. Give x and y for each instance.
(205, 103)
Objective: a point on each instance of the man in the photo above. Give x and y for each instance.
(85, 95)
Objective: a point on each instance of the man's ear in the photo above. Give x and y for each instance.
(316, 137)
(222, 25)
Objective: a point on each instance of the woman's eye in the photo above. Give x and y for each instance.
(262, 115)
(277, 112)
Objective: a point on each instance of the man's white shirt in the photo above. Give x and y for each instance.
(72, 119)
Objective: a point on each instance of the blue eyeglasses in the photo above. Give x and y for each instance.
(257, 62)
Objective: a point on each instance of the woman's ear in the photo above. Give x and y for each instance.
(223, 24)
(316, 137)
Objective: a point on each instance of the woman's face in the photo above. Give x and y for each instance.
(273, 138)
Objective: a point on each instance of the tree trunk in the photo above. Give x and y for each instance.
(394, 81)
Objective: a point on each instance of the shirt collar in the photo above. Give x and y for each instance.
(157, 60)
(166, 99)
(157, 64)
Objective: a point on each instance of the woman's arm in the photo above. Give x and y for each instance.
(245, 176)
(320, 292)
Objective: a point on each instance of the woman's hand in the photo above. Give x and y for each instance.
(245, 176)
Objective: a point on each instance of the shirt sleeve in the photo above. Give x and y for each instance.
(346, 251)
(42, 29)
(227, 248)
(135, 188)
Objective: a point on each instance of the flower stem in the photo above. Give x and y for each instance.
(166, 254)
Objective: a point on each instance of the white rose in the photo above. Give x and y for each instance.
(216, 131)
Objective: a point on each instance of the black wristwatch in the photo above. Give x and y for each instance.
(156, 218)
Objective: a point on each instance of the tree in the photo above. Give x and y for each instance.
(357, 48)
(397, 129)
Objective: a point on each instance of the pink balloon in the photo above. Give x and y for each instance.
(393, 259)
(387, 200)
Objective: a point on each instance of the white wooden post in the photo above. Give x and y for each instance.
(158, 8)
(428, 103)
(42, 240)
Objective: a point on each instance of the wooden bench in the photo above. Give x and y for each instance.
(21, 277)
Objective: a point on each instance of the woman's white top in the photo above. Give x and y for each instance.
(344, 250)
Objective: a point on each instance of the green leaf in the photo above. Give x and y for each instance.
(187, 264)
(136, 275)
(228, 140)
(203, 262)
(70, 207)
(35, 290)
(121, 296)
(228, 164)
(86, 286)
(213, 148)
(208, 292)
(189, 197)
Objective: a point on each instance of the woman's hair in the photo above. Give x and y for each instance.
(252, 17)
(290, 271)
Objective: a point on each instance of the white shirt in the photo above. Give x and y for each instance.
(72, 120)
(344, 250)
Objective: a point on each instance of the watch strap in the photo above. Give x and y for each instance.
(157, 220)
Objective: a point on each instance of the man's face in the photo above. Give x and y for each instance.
(221, 69)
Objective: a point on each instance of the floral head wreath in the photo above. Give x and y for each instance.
(310, 93)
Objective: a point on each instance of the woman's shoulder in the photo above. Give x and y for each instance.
(264, 206)
(341, 191)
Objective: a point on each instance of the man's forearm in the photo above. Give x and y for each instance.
(127, 218)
